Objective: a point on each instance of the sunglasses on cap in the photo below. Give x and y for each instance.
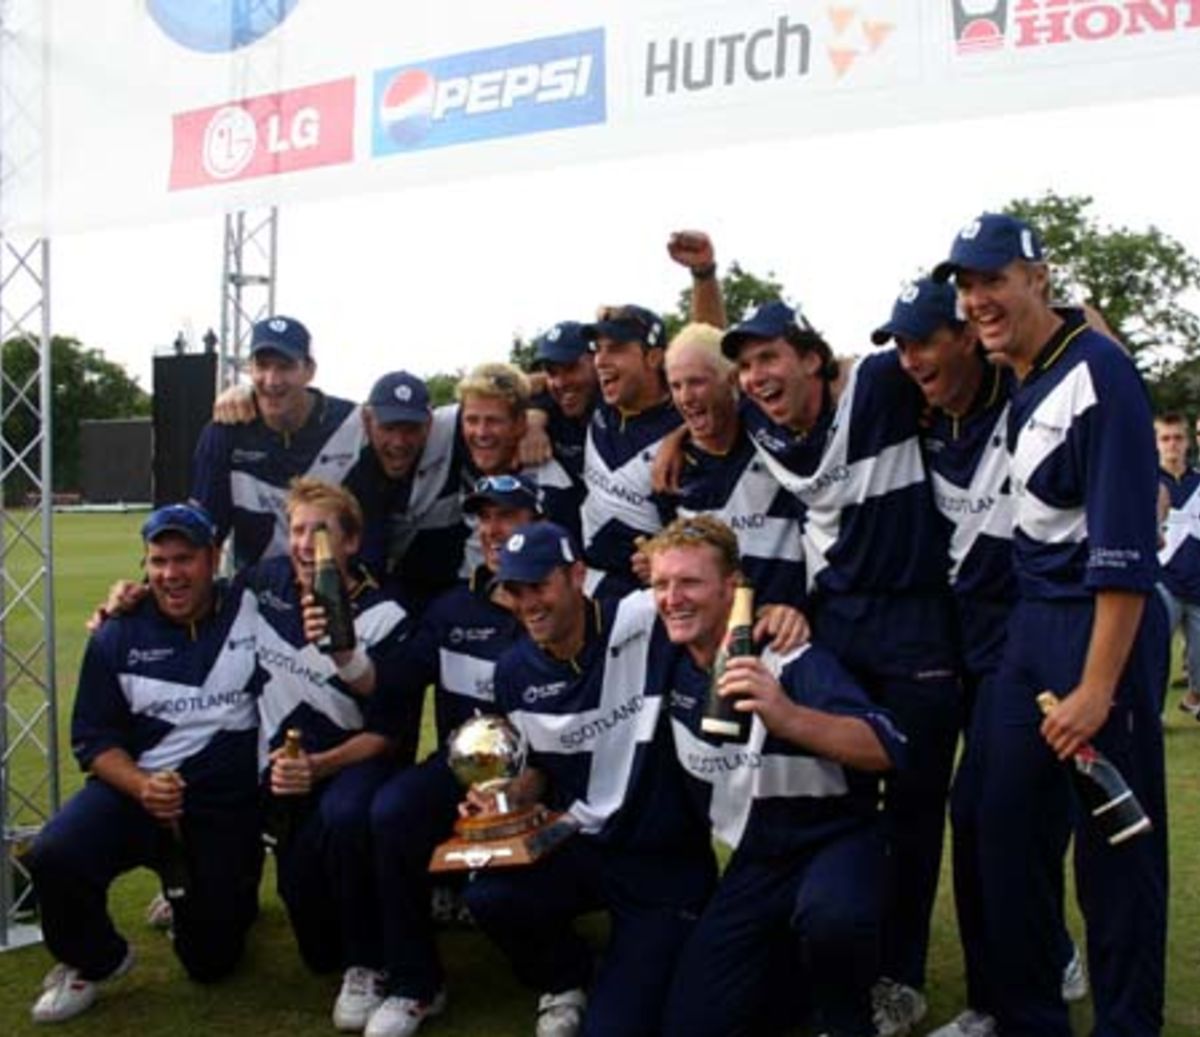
(500, 484)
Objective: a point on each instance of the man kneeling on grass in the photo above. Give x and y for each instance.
(166, 725)
(798, 803)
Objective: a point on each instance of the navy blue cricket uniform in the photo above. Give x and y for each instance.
(1083, 469)
(240, 473)
(325, 877)
(568, 436)
(1179, 557)
(595, 730)
(174, 697)
(455, 648)
(619, 507)
(412, 527)
(876, 560)
(808, 860)
(1179, 563)
(737, 488)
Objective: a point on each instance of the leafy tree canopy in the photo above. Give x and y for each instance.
(1140, 280)
(85, 385)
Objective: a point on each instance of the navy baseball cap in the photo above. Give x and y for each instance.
(989, 243)
(534, 551)
(399, 396)
(513, 491)
(921, 308)
(770, 320)
(188, 520)
(284, 335)
(562, 344)
(627, 323)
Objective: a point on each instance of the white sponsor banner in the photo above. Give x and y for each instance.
(141, 110)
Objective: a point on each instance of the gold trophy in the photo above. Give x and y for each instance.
(486, 754)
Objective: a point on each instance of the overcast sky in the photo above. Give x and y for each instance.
(440, 278)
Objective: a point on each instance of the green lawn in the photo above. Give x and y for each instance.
(273, 993)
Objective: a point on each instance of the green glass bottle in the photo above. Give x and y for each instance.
(329, 591)
(720, 718)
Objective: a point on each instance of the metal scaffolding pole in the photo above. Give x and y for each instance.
(29, 790)
(247, 286)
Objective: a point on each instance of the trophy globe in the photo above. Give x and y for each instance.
(486, 753)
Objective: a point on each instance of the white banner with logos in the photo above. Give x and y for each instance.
(131, 111)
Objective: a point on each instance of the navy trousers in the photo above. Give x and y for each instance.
(411, 814)
(901, 651)
(102, 833)
(827, 903)
(325, 872)
(653, 901)
(1026, 796)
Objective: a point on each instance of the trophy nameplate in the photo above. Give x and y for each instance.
(487, 753)
(502, 840)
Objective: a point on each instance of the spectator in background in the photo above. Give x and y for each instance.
(1179, 553)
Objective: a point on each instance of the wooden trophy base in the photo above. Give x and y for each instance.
(502, 840)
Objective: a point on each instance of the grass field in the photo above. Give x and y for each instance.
(273, 994)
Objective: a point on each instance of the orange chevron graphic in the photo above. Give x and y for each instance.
(841, 18)
(842, 59)
(877, 32)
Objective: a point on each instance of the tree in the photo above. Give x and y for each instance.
(522, 353)
(1137, 279)
(441, 387)
(84, 385)
(743, 292)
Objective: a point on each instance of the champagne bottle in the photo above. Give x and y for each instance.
(1109, 800)
(283, 811)
(329, 591)
(720, 718)
(174, 863)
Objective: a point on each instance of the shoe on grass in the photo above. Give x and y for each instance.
(895, 1008)
(361, 994)
(561, 1015)
(402, 1016)
(159, 913)
(1074, 979)
(66, 994)
(968, 1024)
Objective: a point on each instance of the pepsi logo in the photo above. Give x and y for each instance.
(406, 108)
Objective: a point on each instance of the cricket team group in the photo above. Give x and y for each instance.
(935, 534)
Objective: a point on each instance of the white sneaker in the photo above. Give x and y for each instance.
(65, 993)
(561, 1015)
(159, 913)
(401, 1016)
(1074, 979)
(361, 994)
(895, 1008)
(968, 1024)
